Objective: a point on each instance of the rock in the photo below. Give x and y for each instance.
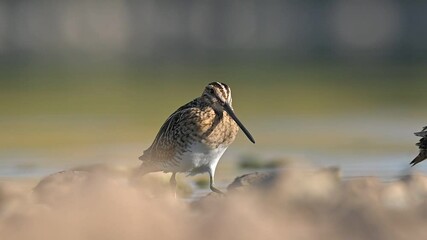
(240, 184)
(60, 185)
(12, 195)
(255, 179)
(395, 195)
(205, 202)
(363, 189)
(416, 185)
(308, 184)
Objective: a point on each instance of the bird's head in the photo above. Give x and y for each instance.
(219, 96)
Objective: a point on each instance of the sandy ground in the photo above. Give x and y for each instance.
(103, 204)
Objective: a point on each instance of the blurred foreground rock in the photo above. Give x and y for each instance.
(251, 180)
(315, 186)
(72, 183)
(324, 178)
(99, 202)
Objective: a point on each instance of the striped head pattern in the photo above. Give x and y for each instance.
(217, 92)
(219, 96)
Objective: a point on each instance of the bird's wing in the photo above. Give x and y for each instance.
(423, 133)
(164, 146)
(422, 144)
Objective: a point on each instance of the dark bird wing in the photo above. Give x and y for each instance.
(422, 144)
(165, 145)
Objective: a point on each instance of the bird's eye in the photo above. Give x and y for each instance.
(212, 91)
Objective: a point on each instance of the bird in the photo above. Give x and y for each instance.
(195, 136)
(422, 144)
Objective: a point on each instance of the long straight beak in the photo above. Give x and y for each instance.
(232, 115)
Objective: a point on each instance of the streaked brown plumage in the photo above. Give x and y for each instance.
(195, 136)
(422, 144)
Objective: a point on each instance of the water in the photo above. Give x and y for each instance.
(374, 145)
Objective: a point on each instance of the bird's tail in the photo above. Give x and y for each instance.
(421, 157)
(423, 152)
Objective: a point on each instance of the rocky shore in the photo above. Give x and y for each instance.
(101, 203)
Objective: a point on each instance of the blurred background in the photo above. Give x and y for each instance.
(336, 83)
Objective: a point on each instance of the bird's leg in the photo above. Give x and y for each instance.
(211, 183)
(172, 182)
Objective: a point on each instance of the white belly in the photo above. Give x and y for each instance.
(201, 158)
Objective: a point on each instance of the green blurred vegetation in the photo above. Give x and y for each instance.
(315, 88)
(69, 106)
(253, 162)
(201, 181)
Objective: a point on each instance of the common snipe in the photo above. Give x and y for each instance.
(195, 136)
